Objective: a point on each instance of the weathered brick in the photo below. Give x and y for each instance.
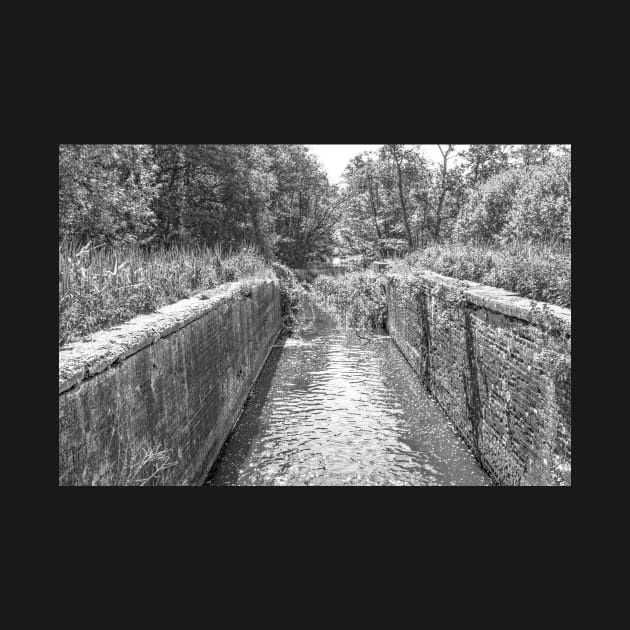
(486, 370)
(180, 386)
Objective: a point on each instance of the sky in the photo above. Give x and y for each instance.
(335, 157)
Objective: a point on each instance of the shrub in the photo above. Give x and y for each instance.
(359, 295)
(525, 203)
(536, 271)
(291, 293)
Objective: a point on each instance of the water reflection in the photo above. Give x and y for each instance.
(331, 408)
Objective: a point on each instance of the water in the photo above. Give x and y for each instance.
(332, 408)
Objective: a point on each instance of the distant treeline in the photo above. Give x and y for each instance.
(397, 201)
(278, 197)
(275, 196)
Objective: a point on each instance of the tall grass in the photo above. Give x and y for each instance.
(103, 286)
(540, 271)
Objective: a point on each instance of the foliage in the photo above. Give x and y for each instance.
(531, 270)
(532, 202)
(275, 196)
(359, 295)
(556, 342)
(149, 223)
(483, 161)
(305, 205)
(486, 192)
(291, 292)
(106, 285)
(106, 190)
(379, 215)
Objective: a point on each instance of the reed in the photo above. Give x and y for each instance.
(101, 286)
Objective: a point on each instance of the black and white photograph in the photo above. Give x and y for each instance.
(314, 314)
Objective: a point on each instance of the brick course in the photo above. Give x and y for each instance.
(176, 379)
(483, 358)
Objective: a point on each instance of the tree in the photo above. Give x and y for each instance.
(396, 151)
(541, 208)
(106, 192)
(521, 203)
(443, 188)
(531, 154)
(276, 196)
(482, 161)
(305, 207)
(362, 206)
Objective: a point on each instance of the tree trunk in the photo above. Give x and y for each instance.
(438, 212)
(258, 237)
(402, 197)
(378, 206)
(374, 213)
(425, 223)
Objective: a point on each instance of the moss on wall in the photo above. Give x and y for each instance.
(498, 365)
(152, 401)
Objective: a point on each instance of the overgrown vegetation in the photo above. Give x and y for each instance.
(106, 285)
(397, 201)
(291, 292)
(141, 226)
(103, 286)
(276, 196)
(556, 342)
(360, 296)
(495, 214)
(140, 464)
(539, 272)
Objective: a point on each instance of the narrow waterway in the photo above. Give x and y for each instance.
(332, 408)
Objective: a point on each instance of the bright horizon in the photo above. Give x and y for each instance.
(335, 157)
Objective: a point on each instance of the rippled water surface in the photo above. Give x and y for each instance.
(331, 408)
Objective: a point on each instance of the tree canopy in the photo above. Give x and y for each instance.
(398, 201)
(276, 196)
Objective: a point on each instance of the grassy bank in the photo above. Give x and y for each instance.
(100, 287)
(538, 272)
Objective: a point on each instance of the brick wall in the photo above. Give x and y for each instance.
(174, 382)
(500, 374)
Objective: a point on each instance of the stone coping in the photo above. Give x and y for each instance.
(491, 298)
(81, 359)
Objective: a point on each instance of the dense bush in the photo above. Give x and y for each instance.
(359, 295)
(528, 203)
(533, 271)
(276, 196)
(306, 276)
(107, 190)
(291, 292)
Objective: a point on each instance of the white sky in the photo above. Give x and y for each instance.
(335, 157)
